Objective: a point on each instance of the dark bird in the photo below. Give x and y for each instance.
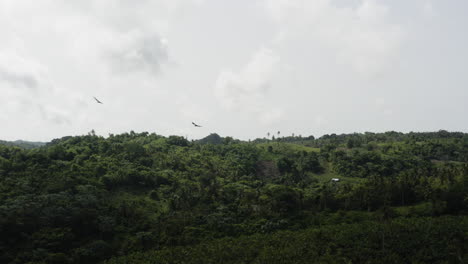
(196, 125)
(99, 102)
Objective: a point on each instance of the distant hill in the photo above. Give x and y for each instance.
(23, 144)
(211, 139)
(216, 139)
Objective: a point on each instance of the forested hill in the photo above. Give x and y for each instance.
(22, 144)
(145, 198)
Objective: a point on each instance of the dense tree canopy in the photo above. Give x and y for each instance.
(145, 198)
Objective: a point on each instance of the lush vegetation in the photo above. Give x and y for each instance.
(144, 198)
(22, 144)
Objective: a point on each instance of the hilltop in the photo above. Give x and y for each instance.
(23, 144)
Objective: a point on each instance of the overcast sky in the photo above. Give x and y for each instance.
(239, 68)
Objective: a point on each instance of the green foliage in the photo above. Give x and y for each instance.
(211, 139)
(22, 144)
(401, 198)
(411, 240)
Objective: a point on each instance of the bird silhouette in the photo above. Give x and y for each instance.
(196, 125)
(99, 102)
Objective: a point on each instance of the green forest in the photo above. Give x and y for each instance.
(145, 198)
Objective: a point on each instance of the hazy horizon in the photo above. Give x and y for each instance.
(238, 68)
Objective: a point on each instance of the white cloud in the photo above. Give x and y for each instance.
(19, 73)
(319, 121)
(361, 36)
(247, 90)
(382, 106)
(28, 90)
(192, 111)
(271, 116)
(322, 56)
(429, 10)
(136, 51)
(56, 55)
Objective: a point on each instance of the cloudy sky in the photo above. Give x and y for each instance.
(239, 68)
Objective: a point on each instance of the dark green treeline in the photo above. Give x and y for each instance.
(144, 198)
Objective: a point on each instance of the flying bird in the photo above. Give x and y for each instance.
(99, 102)
(196, 125)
